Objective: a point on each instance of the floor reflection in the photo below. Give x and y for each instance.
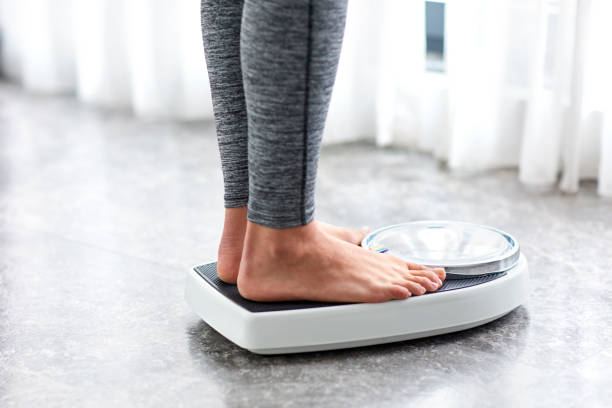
(433, 367)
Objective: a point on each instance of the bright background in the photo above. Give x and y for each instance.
(479, 84)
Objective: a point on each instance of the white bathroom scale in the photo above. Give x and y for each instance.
(487, 277)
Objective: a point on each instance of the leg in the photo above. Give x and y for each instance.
(221, 25)
(221, 20)
(289, 54)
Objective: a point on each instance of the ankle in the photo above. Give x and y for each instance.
(230, 245)
(235, 220)
(278, 243)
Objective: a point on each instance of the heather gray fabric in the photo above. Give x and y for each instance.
(288, 52)
(221, 32)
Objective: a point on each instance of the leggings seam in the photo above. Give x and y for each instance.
(306, 102)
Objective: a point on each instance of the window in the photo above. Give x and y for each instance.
(434, 36)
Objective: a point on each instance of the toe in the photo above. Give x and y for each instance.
(426, 283)
(429, 274)
(416, 267)
(359, 235)
(440, 272)
(415, 288)
(399, 292)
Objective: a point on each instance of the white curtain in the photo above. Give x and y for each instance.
(525, 83)
(141, 54)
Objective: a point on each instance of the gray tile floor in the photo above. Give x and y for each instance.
(102, 214)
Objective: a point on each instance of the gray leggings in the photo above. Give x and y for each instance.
(272, 66)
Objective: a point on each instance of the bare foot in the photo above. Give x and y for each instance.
(230, 247)
(352, 235)
(306, 263)
(232, 240)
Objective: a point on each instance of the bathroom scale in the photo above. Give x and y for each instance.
(487, 277)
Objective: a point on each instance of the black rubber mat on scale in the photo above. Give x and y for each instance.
(209, 273)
